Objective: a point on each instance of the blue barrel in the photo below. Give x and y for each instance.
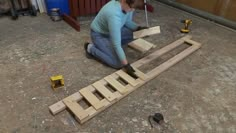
(63, 5)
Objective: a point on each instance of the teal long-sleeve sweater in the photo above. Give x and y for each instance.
(110, 20)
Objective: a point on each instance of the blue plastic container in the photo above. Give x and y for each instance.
(63, 5)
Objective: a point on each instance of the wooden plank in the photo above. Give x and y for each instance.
(75, 107)
(191, 42)
(74, 10)
(141, 45)
(160, 52)
(72, 22)
(98, 5)
(104, 91)
(87, 7)
(93, 6)
(114, 83)
(87, 93)
(147, 32)
(82, 7)
(127, 78)
(156, 71)
(140, 74)
(103, 2)
(59, 106)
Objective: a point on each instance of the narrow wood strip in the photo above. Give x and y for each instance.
(141, 45)
(140, 74)
(160, 52)
(59, 106)
(72, 22)
(90, 97)
(98, 5)
(75, 107)
(93, 6)
(147, 32)
(191, 42)
(104, 91)
(114, 83)
(156, 71)
(87, 7)
(127, 78)
(82, 7)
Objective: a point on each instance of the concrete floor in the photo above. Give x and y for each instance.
(196, 95)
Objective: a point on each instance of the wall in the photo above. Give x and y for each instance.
(224, 8)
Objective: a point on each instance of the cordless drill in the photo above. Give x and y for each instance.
(186, 22)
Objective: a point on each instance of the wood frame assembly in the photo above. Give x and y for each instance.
(109, 98)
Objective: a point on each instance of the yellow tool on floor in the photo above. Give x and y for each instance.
(57, 81)
(186, 22)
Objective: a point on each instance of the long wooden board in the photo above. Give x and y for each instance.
(82, 115)
(147, 32)
(141, 45)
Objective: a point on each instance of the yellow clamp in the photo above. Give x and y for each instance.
(57, 81)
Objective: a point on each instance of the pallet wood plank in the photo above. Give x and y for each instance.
(75, 107)
(93, 6)
(141, 45)
(87, 93)
(191, 42)
(160, 52)
(87, 7)
(71, 21)
(140, 74)
(156, 71)
(59, 106)
(127, 78)
(114, 83)
(82, 10)
(98, 5)
(104, 91)
(147, 32)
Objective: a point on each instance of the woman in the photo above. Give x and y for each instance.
(112, 29)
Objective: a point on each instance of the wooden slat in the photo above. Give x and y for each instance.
(87, 7)
(156, 71)
(147, 32)
(75, 107)
(160, 52)
(93, 6)
(104, 91)
(141, 75)
(59, 106)
(72, 22)
(191, 42)
(103, 2)
(127, 78)
(114, 83)
(87, 93)
(98, 5)
(82, 7)
(141, 45)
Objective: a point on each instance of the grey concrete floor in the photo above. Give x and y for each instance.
(196, 95)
